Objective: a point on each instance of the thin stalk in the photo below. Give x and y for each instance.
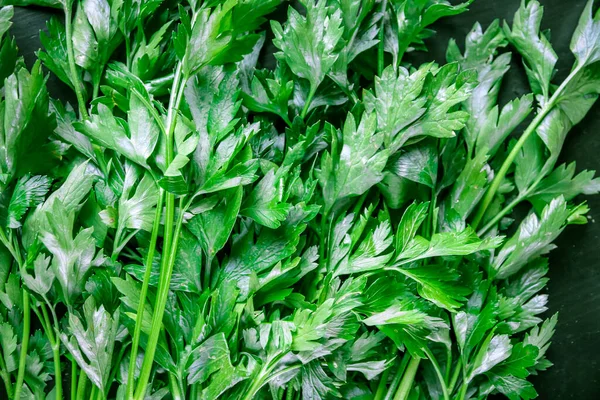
(309, 99)
(539, 118)
(143, 294)
(113, 372)
(463, 391)
(128, 52)
(194, 391)
(382, 386)
(168, 247)
(500, 215)
(94, 392)
(81, 385)
(448, 366)
(71, 58)
(73, 379)
(5, 377)
(408, 379)
(455, 375)
(55, 344)
(161, 301)
(396, 381)
(174, 388)
(207, 270)
(265, 376)
(24, 344)
(439, 374)
(381, 46)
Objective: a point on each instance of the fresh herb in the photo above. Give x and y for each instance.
(210, 222)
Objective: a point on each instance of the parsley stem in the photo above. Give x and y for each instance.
(500, 215)
(143, 294)
(81, 385)
(380, 393)
(24, 344)
(311, 94)
(381, 46)
(5, 376)
(455, 375)
(71, 58)
(168, 261)
(55, 344)
(73, 379)
(539, 118)
(170, 241)
(438, 372)
(397, 377)
(408, 379)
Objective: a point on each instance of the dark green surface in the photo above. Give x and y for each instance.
(575, 266)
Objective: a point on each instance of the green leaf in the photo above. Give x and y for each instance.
(28, 193)
(135, 141)
(444, 244)
(136, 210)
(208, 358)
(264, 204)
(54, 56)
(418, 163)
(8, 339)
(24, 120)
(354, 165)
(540, 337)
(397, 99)
(44, 276)
(308, 43)
(532, 239)
(213, 227)
(71, 195)
(586, 37)
(563, 181)
(480, 51)
(92, 346)
(6, 14)
(538, 55)
(409, 21)
(411, 221)
(73, 256)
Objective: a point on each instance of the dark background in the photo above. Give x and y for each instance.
(575, 266)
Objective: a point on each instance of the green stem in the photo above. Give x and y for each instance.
(207, 270)
(81, 385)
(455, 375)
(144, 293)
(169, 248)
(265, 376)
(382, 386)
(448, 367)
(55, 343)
(167, 264)
(94, 392)
(408, 379)
(397, 377)
(73, 379)
(5, 377)
(174, 388)
(71, 57)
(309, 99)
(24, 344)
(463, 391)
(539, 118)
(438, 372)
(381, 46)
(500, 215)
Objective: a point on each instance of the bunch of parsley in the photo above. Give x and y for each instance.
(338, 225)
